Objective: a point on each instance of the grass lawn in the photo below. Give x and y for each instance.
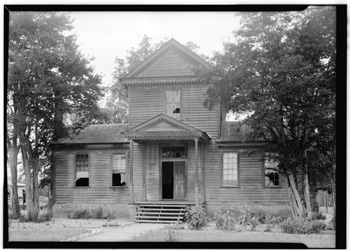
(313, 240)
(45, 234)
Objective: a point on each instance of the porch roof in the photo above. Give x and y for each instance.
(164, 127)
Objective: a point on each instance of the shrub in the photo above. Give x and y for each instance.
(97, 213)
(79, 214)
(172, 236)
(45, 217)
(196, 217)
(317, 226)
(224, 219)
(333, 222)
(302, 226)
(246, 216)
(321, 216)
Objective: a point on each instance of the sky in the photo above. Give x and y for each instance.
(107, 35)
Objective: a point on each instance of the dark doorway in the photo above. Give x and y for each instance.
(167, 180)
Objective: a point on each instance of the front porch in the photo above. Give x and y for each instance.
(166, 162)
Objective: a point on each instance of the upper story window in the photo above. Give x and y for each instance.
(271, 173)
(173, 103)
(118, 170)
(230, 169)
(82, 170)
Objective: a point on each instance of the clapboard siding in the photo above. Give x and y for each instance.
(250, 190)
(146, 102)
(99, 191)
(172, 63)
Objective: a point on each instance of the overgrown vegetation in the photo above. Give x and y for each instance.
(224, 219)
(89, 214)
(302, 226)
(196, 217)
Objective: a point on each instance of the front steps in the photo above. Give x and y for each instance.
(160, 213)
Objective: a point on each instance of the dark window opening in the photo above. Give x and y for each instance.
(272, 176)
(82, 182)
(118, 170)
(176, 111)
(118, 180)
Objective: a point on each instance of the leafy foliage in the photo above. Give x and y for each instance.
(246, 216)
(87, 214)
(282, 71)
(302, 226)
(224, 219)
(48, 78)
(196, 217)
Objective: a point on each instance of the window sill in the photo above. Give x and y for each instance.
(117, 187)
(272, 187)
(230, 187)
(81, 187)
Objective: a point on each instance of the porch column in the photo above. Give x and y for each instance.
(202, 165)
(132, 172)
(144, 191)
(196, 189)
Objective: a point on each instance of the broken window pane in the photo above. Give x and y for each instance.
(82, 170)
(118, 170)
(272, 177)
(173, 152)
(173, 103)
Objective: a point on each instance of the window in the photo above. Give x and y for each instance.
(271, 173)
(173, 103)
(82, 170)
(173, 152)
(118, 170)
(230, 169)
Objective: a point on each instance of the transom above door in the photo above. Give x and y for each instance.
(173, 171)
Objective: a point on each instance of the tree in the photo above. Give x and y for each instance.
(116, 106)
(281, 71)
(47, 78)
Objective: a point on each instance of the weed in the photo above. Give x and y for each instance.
(224, 219)
(172, 236)
(45, 217)
(196, 217)
(246, 216)
(302, 226)
(97, 213)
(321, 216)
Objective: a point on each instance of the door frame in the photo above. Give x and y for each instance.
(161, 160)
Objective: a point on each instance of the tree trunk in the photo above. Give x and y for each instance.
(307, 194)
(32, 205)
(15, 208)
(297, 207)
(36, 188)
(333, 189)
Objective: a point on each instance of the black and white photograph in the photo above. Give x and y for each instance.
(195, 126)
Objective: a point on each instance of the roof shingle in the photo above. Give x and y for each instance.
(104, 133)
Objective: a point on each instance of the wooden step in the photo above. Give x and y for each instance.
(164, 205)
(156, 217)
(156, 221)
(160, 209)
(157, 213)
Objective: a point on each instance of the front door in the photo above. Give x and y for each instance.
(173, 180)
(179, 180)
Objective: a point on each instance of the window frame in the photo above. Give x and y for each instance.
(222, 169)
(165, 102)
(264, 159)
(75, 168)
(111, 169)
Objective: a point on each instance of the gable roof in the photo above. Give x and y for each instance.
(170, 129)
(102, 133)
(172, 43)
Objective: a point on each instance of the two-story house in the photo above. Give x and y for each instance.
(173, 152)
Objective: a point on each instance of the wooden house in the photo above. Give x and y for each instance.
(173, 152)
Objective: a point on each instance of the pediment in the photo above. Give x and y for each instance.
(172, 59)
(162, 123)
